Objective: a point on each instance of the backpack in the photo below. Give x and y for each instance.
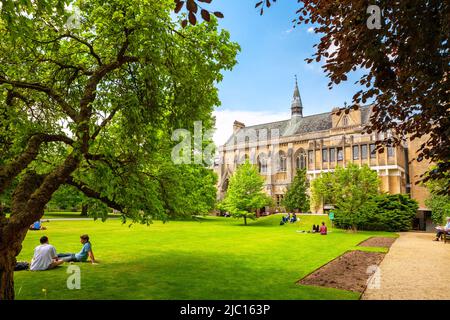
(22, 266)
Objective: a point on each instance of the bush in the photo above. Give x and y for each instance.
(380, 213)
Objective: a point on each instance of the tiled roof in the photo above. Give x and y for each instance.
(301, 125)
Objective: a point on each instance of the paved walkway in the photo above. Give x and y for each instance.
(416, 268)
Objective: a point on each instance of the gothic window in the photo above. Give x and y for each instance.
(332, 154)
(301, 160)
(262, 163)
(324, 155)
(340, 154)
(279, 199)
(282, 162)
(390, 152)
(373, 152)
(364, 151)
(355, 152)
(345, 121)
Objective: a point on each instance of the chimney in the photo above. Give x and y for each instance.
(237, 126)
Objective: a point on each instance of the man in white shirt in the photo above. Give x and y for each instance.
(45, 256)
(442, 230)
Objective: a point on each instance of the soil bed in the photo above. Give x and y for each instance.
(378, 242)
(349, 271)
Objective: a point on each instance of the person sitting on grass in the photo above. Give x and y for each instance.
(441, 230)
(44, 257)
(294, 218)
(323, 229)
(86, 251)
(37, 226)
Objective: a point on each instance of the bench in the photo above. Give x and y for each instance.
(446, 237)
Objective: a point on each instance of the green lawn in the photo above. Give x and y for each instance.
(212, 258)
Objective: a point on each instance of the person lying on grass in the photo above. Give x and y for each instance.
(44, 257)
(82, 256)
(37, 226)
(441, 230)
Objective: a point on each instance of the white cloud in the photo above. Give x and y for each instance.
(310, 30)
(226, 118)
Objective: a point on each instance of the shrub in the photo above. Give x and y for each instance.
(380, 213)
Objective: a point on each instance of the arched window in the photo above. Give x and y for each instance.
(301, 160)
(345, 121)
(282, 162)
(262, 163)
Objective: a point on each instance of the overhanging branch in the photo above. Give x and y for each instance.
(10, 170)
(93, 194)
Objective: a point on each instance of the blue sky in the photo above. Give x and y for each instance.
(260, 87)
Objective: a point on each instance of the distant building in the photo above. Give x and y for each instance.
(320, 143)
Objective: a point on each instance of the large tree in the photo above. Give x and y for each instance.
(245, 193)
(404, 64)
(296, 197)
(90, 95)
(347, 189)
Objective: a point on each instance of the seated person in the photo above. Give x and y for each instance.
(37, 226)
(314, 230)
(44, 257)
(441, 230)
(323, 229)
(86, 251)
(294, 218)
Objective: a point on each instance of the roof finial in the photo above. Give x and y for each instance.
(296, 106)
(296, 90)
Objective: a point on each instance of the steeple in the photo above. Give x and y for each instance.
(296, 106)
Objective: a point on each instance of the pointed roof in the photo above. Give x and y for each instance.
(296, 90)
(296, 106)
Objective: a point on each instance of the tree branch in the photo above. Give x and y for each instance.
(93, 194)
(10, 170)
(104, 123)
(42, 88)
(82, 41)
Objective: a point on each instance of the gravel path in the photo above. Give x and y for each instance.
(416, 268)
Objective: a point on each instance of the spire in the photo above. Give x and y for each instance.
(296, 106)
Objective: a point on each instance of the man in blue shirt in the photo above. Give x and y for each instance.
(82, 256)
(442, 230)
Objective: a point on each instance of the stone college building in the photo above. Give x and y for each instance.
(319, 143)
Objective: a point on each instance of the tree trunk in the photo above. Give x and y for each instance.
(7, 264)
(84, 210)
(245, 220)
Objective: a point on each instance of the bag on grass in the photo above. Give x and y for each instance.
(20, 266)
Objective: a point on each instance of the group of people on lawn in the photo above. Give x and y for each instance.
(46, 258)
(287, 218)
(322, 229)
